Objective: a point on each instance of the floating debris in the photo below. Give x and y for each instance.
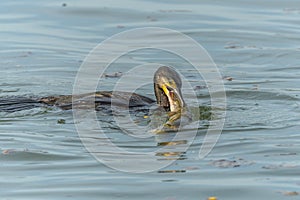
(223, 163)
(200, 87)
(281, 166)
(120, 26)
(61, 121)
(26, 54)
(8, 151)
(113, 75)
(290, 193)
(228, 78)
(151, 19)
(212, 198)
(172, 171)
(232, 45)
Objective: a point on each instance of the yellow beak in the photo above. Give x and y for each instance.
(174, 97)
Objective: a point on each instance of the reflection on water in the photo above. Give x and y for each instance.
(253, 44)
(172, 143)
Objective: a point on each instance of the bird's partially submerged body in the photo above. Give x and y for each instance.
(98, 100)
(167, 89)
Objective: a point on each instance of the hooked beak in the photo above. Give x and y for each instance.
(174, 96)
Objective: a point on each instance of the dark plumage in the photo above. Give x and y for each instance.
(167, 86)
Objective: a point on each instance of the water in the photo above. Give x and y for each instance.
(255, 43)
